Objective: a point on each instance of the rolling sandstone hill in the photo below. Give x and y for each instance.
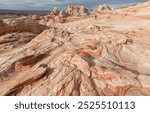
(77, 52)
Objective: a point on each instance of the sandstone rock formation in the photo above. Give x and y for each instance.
(36, 17)
(20, 24)
(77, 11)
(83, 11)
(14, 40)
(70, 9)
(104, 8)
(63, 14)
(55, 12)
(106, 55)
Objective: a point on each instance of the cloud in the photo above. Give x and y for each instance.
(24, 4)
(49, 4)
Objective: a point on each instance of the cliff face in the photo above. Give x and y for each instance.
(105, 52)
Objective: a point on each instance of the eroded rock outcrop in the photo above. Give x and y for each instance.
(14, 40)
(77, 11)
(20, 24)
(54, 12)
(104, 8)
(36, 17)
(63, 14)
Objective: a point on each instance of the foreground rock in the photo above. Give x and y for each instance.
(88, 56)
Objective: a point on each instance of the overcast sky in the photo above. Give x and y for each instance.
(48, 4)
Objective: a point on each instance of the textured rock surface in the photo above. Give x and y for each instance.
(77, 11)
(20, 24)
(36, 17)
(63, 14)
(104, 8)
(99, 54)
